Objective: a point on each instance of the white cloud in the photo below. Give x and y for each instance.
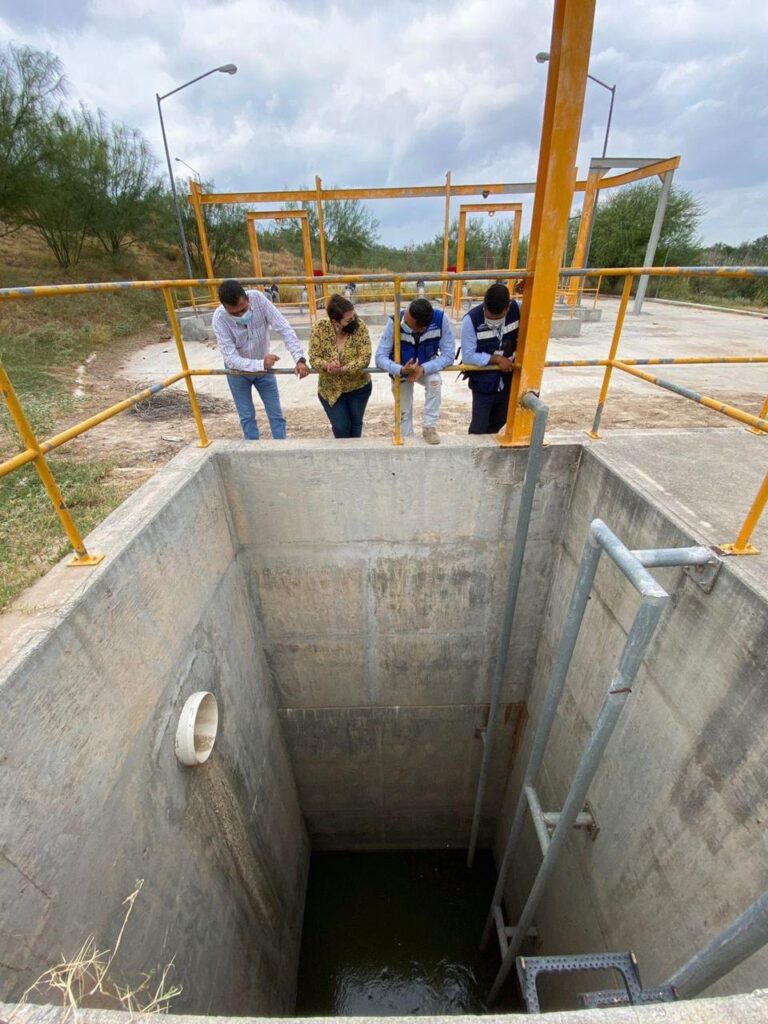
(398, 93)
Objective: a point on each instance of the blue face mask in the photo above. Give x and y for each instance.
(245, 319)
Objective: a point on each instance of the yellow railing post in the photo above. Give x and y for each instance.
(597, 290)
(174, 321)
(81, 557)
(398, 437)
(594, 432)
(741, 545)
(763, 414)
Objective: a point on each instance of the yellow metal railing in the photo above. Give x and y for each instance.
(35, 451)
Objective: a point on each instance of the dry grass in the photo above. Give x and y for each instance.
(86, 978)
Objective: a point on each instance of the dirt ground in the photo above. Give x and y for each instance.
(145, 437)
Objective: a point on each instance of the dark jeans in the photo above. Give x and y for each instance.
(489, 412)
(346, 413)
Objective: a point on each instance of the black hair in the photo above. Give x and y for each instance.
(337, 307)
(230, 292)
(496, 299)
(421, 311)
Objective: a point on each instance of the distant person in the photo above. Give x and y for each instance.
(426, 348)
(340, 351)
(489, 338)
(241, 325)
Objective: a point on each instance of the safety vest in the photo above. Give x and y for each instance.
(488, 342)
(421, 347)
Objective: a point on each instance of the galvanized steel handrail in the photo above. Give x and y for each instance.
(540, 411)
(729, 948)
(653, 598)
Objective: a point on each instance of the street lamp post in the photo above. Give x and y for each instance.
(227, 69)
(191, 168)
(543, 57)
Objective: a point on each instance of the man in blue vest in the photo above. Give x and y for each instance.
(426, 348)
(489, 338)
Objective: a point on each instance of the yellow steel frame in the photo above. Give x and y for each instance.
(303, 218)
(466, 210)
(199, 199)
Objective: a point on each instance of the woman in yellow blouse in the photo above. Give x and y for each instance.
(340, 351)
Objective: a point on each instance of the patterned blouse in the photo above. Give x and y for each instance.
(356, 354)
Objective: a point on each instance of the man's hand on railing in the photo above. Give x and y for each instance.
(412, 370)
(301, 369)
(270, 360)
(504, 364)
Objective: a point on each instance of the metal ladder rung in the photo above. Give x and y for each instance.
(545, 822)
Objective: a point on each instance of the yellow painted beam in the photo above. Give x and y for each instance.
(566, 84)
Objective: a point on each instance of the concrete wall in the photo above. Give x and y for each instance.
(380, 576)
(682, 795)
(99, 665)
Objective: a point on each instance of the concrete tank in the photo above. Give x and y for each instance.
(342, 602)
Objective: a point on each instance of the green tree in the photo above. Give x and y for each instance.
(31, 89)
(623, 223)
(225, 227)
(127, 187)
(63, 199)
(350, 229)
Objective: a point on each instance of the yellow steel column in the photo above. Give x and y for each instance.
(594, 432)
(397, 437)
(321, 232)
(460, 247)
(24, 428)
(204, 442)
(585, 229)
(742, 546)
(566, 82)
(446, 236)
(307, 245)
(514, 246)
(253, 241)
(202, 234)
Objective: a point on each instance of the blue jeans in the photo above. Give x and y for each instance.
(346, 413)
(266, 385)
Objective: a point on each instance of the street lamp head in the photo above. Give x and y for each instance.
(228, 69)
(542, 58)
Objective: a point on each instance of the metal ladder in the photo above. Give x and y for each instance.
(553, 828)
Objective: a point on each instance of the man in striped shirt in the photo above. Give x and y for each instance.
(241, 325)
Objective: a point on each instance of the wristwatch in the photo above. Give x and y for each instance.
(302, 359)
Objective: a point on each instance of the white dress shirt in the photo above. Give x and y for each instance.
(244, 346)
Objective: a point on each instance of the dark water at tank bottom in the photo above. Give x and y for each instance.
(398, 934)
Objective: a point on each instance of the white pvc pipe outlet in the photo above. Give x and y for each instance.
(198, 725)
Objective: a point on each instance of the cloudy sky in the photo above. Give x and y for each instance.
(396, 93)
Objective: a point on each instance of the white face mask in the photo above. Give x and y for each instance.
(494, 323)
